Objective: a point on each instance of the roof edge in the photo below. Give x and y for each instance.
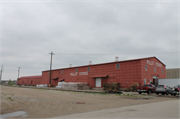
(37, 76)
(105, 63)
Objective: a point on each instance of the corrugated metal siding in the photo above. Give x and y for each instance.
(173, 73)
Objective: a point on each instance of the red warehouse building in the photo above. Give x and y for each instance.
(29, 80)
(128, 72)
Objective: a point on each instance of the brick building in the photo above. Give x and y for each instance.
(128, 72)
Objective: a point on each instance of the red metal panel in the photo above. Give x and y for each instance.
(151, 63)
(29, 80)
(99, 76)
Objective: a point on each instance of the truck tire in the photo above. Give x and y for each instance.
(157, 93)
(149, 92)
(139, 92)
(163, 93)
(167, 93)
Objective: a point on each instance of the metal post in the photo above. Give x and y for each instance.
(1, 72)
(50, 68)
(18, 71)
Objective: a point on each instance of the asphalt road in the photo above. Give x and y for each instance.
(165, 109)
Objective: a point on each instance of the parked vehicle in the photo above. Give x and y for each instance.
(163, 89)
(148, 88)
(176, 89)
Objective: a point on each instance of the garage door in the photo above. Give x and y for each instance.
(98, 82)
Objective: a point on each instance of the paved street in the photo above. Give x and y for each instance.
(165, 109)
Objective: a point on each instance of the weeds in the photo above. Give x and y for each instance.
(131, 95)
(11, 82)
(7, 94)
(93, 93)
(9, 98)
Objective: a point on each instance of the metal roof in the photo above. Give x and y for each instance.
(29, 77)
(107, 63)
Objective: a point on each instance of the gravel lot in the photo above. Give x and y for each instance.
(39, 103)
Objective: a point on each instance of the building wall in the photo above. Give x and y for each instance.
(29, 80)
(173, 73)
(45, 78)
(152, 63)
(128, 74)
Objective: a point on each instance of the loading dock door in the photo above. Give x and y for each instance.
(155, 80)
(98, 82)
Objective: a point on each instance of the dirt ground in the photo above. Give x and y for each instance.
(39, 103)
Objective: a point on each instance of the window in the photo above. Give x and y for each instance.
(145, 67)
(61, 71)
(150, 81)
(162, 71)
(76, 69)
(144, 81)
(88, 68)
(154, 69)
(117, 66)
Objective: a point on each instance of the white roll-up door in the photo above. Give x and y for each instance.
(98, 82)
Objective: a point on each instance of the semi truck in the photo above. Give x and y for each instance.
(169, 82)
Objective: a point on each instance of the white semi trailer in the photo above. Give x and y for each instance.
(169, 82)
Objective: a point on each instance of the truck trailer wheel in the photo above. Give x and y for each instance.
(139, 92)
(157, 93)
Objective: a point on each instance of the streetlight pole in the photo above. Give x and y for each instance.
(18, 71)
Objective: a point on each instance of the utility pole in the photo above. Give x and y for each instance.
(18, 71)
(50, 68)
(1, 72)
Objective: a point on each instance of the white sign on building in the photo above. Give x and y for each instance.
(83, 73)
(152, 63)
(80, 73)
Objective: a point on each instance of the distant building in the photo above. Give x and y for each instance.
(29, 80)
(173, 73)
(7, 81)
(15, 81)
(4, 81)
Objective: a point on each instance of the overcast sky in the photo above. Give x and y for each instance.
(79, 32)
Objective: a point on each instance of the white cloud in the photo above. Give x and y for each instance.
(79, 32)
